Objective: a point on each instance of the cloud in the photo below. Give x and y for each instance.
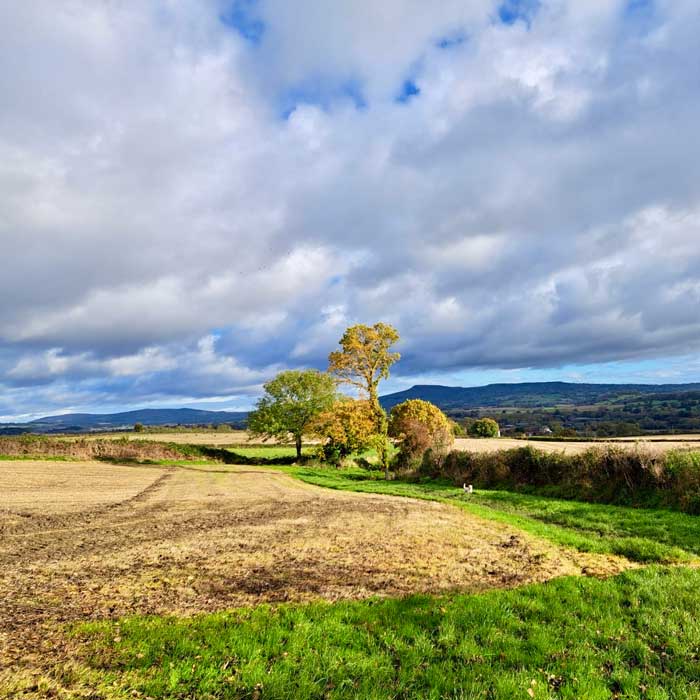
(167, 176)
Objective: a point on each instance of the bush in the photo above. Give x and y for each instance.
(420, 426)
(603, 475)
(484, 428)
(683, 475)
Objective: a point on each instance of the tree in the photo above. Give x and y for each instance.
(363, 361)
(138, 427)
(484, 428)
(421, 411)
(291, 400)
(348, 426)
(420, 425)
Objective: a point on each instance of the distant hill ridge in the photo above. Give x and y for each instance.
(528, 394)
(147, 416)
(86, 422)
(520, 395)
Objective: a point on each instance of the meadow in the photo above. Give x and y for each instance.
(191, 576)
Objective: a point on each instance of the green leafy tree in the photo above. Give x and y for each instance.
(291, 401)
(363, 361)
(484, 428)
(138, 427)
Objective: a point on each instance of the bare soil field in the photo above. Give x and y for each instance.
(652, 444)
(104, 541)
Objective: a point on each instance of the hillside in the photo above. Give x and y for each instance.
(531, 394)
(591, 410)
(86, 422)
(530, 406)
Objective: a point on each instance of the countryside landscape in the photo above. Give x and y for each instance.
(350, 350)
(334, 550)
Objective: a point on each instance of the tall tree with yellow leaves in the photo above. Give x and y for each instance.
(363, 361)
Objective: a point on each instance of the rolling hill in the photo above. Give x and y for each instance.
(530, 397)
(530, 394)
(88, 422)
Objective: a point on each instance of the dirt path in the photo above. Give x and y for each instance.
(185, 541)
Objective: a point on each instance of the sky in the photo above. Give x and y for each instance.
(197, 194)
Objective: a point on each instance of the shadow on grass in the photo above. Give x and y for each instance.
(230, 457)
(631, 636)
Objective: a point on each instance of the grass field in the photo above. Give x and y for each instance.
(270, 451)
(644, 535)
(633, 636)
(115, 582)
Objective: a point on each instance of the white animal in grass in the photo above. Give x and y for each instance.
(468, 488)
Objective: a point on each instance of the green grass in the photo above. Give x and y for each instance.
(641, 534)
(633, 636)
(36, 458)
(269, 452)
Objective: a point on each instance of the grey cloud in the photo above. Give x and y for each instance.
(537, 204)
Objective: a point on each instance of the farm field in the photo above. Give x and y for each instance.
(211, 437)
(651, 443)
(151, 540)
(679, 437)
(655, 443)
(32, 488)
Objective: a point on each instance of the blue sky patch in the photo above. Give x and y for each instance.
(241, 15)
(512, 11)
(408, 90)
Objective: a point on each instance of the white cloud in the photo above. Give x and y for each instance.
(536, 204)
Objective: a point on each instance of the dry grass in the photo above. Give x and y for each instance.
(105, 541)
(34, 488)
(655, 444)
(213, 438)
(689, 437)
(81, 449)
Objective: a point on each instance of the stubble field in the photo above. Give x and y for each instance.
(655, 443)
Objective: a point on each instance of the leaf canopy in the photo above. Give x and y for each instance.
(291, 400)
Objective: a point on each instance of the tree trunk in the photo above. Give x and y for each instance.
(382, 431)
(298, 445)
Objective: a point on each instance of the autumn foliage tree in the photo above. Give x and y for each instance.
(291, 401)
(419, 425)
(363, 361)
(346, 427)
